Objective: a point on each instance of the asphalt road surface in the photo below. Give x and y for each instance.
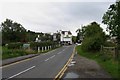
(45, 65)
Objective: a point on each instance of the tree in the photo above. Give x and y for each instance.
(94, 37)
(112, 19)
(74, 39)
(78, 31)
(80, 34)
(12, 32)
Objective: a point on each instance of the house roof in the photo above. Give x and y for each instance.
(63, 32)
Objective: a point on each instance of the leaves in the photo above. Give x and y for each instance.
(94, 37)
(112, 19)
(12, 31)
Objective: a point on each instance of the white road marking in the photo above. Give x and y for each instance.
(64, 50)
(59, 52)
(21, 72)
(52, 56)
(47, 59)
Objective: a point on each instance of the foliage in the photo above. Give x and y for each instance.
(94, 37)
(109, 44)
(12, 32)
(10, 53)
(110, 65)
(58, 36)
(35, 45)
(15, 50)
(74, 39)
(112, 19)
(15, 32)
(80, 34)
(17, 45)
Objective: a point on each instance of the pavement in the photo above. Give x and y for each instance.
(85, 68)
(46, 65)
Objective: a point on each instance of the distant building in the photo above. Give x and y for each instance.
(66, 37)
(37, 39)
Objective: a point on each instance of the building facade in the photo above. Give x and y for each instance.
(66, 37)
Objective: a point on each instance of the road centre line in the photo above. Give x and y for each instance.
(52, 56)
(63, 50)
(25, 60)
(47, 59)
(21, 72)
(59, 52)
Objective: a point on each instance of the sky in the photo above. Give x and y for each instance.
(50, 16)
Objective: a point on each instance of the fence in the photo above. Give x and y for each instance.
(110, 51)
(46, 48)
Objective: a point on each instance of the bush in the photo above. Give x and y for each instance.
(34, 45)
(109, 44)
(10, 53)
(17, 45)
(94, 37)
(92, 43)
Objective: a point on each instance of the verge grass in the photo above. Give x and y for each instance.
(108, 64)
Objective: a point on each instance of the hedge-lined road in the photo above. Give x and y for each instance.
(46, 65)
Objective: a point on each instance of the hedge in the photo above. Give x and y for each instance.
(33, 45)
(17, 45)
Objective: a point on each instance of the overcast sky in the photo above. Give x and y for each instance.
(53, 16)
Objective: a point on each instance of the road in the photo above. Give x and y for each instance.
(45, 65)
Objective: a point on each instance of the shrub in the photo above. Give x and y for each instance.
(10, 53)
(109, 44)
(17, 45)
(34, 45)
(92, 43)
(94, 37)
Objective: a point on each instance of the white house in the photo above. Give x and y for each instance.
(66, 37)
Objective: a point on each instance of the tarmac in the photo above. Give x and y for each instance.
(16, 59)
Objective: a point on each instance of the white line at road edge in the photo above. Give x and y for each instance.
(21, 72)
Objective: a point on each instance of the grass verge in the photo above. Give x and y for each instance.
(11, 53)
(108, 64)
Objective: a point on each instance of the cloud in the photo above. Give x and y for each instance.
(53, 16)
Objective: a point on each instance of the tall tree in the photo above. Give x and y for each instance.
(12, 32)
(112, 19)
(80, 33)
(94, 37)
